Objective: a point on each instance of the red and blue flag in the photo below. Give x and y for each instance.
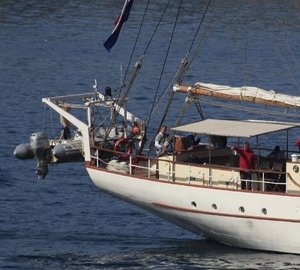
(112, 39)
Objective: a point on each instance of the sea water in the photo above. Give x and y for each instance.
(51, 48)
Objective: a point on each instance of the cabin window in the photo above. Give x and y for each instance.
(264, 211)
(242, 209)
(296, 168)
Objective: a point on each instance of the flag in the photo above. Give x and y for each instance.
(112, 39)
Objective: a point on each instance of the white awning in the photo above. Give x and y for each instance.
(233, 128)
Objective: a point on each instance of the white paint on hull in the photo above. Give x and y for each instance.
(269, 221)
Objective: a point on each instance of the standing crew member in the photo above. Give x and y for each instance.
(247, 163)
(161, 141)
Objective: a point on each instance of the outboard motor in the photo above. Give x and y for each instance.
(40, 147)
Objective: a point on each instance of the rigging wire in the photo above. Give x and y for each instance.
(184, 64)
(286, 42)
(149, 42)
(188, 101)
(246, 65)
(146, 48)
(192, 44)
(51, 121)
(151, 39)
(165, 60)
(44, 118)
(199, 26)
(204, 37)
(163, 94)
(134, 46)
(156, 28)
(249, 109)
(52, 126)
(289, 48)
(135, 71)
(285, 63)
(201, 44)
(147, 121)
(100, 121)
(155, 100)
(199, 108)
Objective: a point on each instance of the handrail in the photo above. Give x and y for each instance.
(171, 172)
(119, 152)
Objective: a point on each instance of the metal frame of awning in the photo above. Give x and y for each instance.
(234, 128)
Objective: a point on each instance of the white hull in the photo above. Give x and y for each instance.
(269, 221)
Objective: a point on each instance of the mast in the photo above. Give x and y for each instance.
(245, 93)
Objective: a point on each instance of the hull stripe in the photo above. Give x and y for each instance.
(223, 214)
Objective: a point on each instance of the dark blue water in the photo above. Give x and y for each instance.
(55, 48)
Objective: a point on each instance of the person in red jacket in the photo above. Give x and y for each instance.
(247, 163)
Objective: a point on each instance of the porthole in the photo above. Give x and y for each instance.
(242, 209)
(296, 168)
(214, 206)
(264, 211)
(193, 204)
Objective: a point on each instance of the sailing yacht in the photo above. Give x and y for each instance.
(199, 187)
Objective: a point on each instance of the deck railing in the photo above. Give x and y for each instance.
(143, 166)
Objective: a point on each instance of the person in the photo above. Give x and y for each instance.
(246, 163)
(65, 134)
(136, 136)
(107, 93)
(277, 164)
(192, 141)
(276, 158)
(218, 142)
(161, 140)
(276, 153)
(136, 129)
(298, 144)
